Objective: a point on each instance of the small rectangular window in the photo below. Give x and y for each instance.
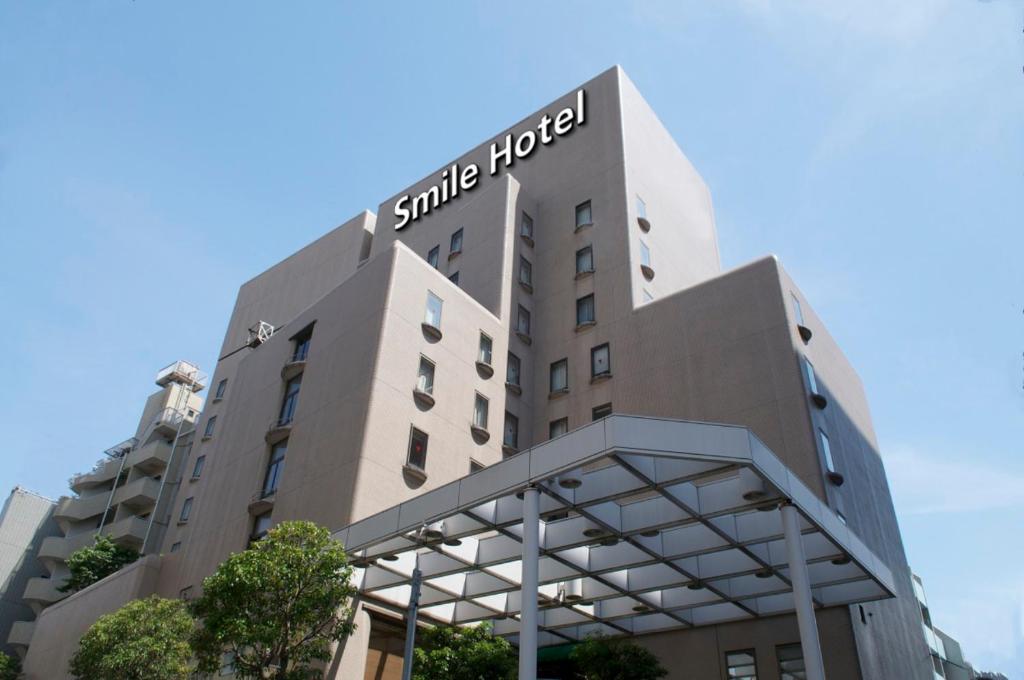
(210, 425)
(811, 382)
(559, 376)
(186, 510)
(301, 347)
(425, 378)
(585, 310)
(480, 407)
(176, 546)
(222, 387)
(511, 437)
(274, 469)
(484, 356)
(600, 361)
(798, 311)
(433, 313)
(523, 321)
(585, 260)
(602, 411)
(556, 428)
(526, 227)
(647, 295)
(525, 272)
(741, 665)
(645, 254)
(417, 450)
(454, 278)
(791, 661)
(584, 217)
(641, 207)
(291, 400)
(826, 450)
(433, 256)
(475, 466)
(512, 371)
(456, 244)
(260, 526)
(197, 469)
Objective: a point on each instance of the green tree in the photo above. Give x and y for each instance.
(143, 640)
(603, 658)
(277, 606)
(96, 561)
(471, 653)
(10, 667)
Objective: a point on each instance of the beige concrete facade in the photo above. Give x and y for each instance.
(685, 340)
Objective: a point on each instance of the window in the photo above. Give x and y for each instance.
(826, 449)
(583, 215)
(434, 306)
(741, 665)
(485, 349)
(227, 663)
(260, 526)
(647, 295)
(176, 546)
(197, 469)
(641, 207)
(645, 254)
(480, 405)
(511, 437)
(811, 382)
(185, 593)
(475, 466)
(274, 469)
(432, 256)
(456, 245)
(791, 661)
(798, 311)
(512, 371)
(302, 345)
(523, 321)
(558, 427)
(559, 376)
(525, 272)
(291, 400)
(526, 227)
(454, 278)
(417, 450)
(585, 260)
(425, 379)
(602, 411)
(222, 386)
(600, 361)
(210, 424)
(186, 510)
(585, 310)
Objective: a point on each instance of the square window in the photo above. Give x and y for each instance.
(585, 260)
(176, 546)
(600, 361)
(584, 217)
(484, 356)
(197, 469)
(791, 662)
(222, 387)
(210, 424)
(811, 382)
(454, 278)
(511, 436)
(741, 665)
(480, 406)
(186, 510)
(556, 428)
(602, 411)
(417, 450)
(826, 450)
(526, 226)
(585, 310)
(525, 272)
(559, 376)
(798, 311)
(274, 469)
(523, 321)
(645, 254)
(433, 256)
(641, 207)
(512, 370)
(434, 307)
(425, 377)
(456, 244)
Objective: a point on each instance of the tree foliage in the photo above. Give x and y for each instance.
(603, 658)
(278, 606)
(94, 562)
(10, 667)
(471, 653)
(143, 640)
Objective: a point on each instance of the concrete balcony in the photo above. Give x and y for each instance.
(138, 495)
(102, 473)
(81, 508)
(183, 373)
(42, 591)
(21, 633)
(167, 422)
(56, 549)
(151, 458)
(130, 531)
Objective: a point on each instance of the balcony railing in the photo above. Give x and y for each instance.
(183, 373)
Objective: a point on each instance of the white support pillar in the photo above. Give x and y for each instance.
(528, 591)
(805, 619)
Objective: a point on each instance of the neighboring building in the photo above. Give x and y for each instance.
(26, 519)
(126, 494)
(578, 279)
(947, 657)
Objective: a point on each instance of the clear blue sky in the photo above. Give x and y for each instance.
(153, 156)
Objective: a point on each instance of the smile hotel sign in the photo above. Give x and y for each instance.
(504, 154)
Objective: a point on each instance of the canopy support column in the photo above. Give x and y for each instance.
(806, 621)
(528, 592)
(410, 623)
